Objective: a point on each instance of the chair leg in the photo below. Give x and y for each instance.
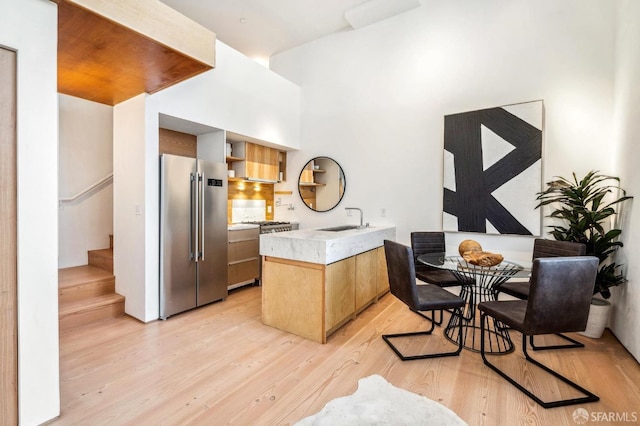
(574, 344)
(590, 397)
(387, 338)
(432, 318)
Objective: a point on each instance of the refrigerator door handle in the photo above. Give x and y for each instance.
(202, 184)
(194, 218)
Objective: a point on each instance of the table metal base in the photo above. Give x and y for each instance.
(485, 281)
(497, 336)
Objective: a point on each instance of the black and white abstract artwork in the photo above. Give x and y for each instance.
(493, 170)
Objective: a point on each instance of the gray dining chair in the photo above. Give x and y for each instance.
(520, 289)
(420, 298)
(542, 248)
(432, 242)
(559, 300)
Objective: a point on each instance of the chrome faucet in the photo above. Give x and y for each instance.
(361, 215)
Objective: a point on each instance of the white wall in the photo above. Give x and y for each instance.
(129, 209)
(85, 152)
(238, 95)
(374, 99)
(30, 27)
(625, 321)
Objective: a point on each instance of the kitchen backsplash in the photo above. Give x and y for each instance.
(248, 210)
(242, 190)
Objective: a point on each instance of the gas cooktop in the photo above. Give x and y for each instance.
(267, 222)
(270, 226)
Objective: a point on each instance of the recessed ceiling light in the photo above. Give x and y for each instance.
(242, 20)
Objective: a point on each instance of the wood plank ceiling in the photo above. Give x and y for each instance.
(104, 61)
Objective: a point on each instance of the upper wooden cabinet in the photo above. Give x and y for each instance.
(253, 161)
(110, 51)
(261, 162)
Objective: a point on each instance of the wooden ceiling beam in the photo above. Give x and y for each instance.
(110, 51)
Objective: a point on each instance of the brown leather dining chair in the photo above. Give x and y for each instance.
(432, 242)
(420, 298)
(559, 300)
(520, 289)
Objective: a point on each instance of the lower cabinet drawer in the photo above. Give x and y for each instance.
(240, 250)
(243, 271)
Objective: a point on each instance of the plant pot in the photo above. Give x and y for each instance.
(598, 317)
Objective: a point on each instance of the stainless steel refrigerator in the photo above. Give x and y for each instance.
(193, 233)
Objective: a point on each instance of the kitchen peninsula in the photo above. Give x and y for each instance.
(316, 280)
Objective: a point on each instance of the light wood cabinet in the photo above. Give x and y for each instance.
(382, 284)
(253, 161)
(261, 162)
(339, 293)
(314, 300)
(306, 176)
(243, 256)
(293, 297)
(177, 143)
(366, 279)
(312, 176)
(282, 166)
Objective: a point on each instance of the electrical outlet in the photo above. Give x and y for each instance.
(383, 212)
(278, 202)
(348, 212)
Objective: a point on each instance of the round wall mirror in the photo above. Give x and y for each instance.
(321, 184)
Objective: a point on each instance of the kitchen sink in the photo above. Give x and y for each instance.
(339, 228)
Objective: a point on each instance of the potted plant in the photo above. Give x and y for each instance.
(585, 208)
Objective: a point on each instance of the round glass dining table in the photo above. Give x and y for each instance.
(485, 282)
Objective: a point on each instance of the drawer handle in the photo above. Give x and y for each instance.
(246, 239)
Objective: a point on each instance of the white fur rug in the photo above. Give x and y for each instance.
(378, 402)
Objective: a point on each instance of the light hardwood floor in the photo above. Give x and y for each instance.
(219, 365)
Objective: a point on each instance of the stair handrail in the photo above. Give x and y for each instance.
(87, 189)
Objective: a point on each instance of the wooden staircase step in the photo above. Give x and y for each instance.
(87, 311)
(102, 259)
(69, 277)
(86, 294)
(83, 282)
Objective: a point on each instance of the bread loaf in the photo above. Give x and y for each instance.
(469, 245)
(483, 258)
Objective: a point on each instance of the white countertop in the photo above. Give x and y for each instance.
(324, 247)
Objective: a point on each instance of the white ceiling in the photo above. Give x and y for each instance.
(261, 28)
